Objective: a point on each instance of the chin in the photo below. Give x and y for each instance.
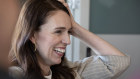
(57, 62)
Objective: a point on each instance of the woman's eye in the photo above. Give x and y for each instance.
(69, 32)
(58, 31)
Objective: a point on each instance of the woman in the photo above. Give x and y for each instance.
(42, 33)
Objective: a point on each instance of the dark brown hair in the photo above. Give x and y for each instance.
(33, 14)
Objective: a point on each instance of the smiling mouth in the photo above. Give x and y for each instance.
(59, 50)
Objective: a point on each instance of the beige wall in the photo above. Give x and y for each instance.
(9, 10)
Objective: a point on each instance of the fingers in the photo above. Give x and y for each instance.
(63, 1)
(67, 6)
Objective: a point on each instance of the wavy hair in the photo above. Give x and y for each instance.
(22, 54)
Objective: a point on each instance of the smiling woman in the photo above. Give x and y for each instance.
(41, 36)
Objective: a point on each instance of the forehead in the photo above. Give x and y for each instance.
(57, 19)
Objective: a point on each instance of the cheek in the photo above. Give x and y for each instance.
(44, 43)
(47, 43)
(44, 47)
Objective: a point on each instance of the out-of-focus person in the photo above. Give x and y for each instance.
(9, 10)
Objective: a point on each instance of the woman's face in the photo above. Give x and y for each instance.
(53, 38)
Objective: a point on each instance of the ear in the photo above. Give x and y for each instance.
(33, 39)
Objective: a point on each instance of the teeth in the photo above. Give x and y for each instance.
(59, 50)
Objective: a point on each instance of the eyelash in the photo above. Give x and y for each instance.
(69, 32)
(59, 32)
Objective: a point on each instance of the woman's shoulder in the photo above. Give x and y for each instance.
(16, 72)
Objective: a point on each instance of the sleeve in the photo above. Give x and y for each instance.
(102, 67)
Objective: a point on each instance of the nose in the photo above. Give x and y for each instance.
(66, 39)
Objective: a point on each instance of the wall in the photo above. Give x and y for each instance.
(130, 45)
(115, 16)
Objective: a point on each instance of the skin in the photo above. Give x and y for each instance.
(55, 33)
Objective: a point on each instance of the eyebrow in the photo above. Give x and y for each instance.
(62, 28)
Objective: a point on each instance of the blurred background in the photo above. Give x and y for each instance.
(9, 10)
(116, 21)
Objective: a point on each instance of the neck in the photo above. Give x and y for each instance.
(44, 67)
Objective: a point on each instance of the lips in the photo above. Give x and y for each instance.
(60, 51)
(59, 54)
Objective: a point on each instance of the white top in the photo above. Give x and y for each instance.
(49, 76)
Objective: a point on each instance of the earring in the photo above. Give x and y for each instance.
(35, 47)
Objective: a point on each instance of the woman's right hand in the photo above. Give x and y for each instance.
(93, 41)
(74, 25)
